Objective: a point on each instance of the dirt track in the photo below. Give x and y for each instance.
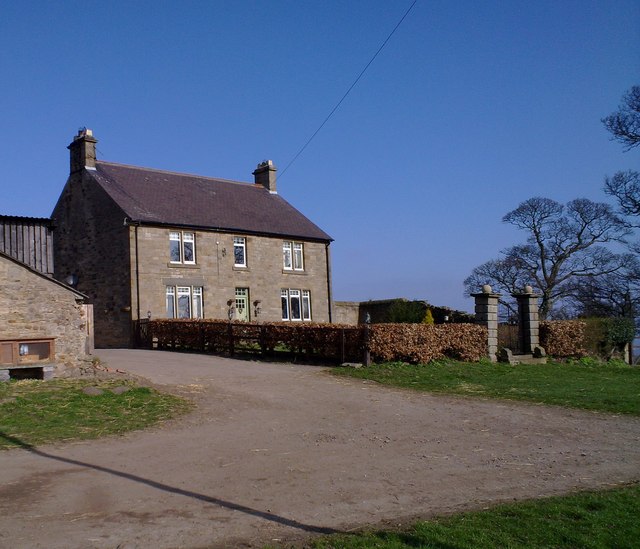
(282, 452)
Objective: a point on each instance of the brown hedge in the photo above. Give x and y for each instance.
(422, 343)
(332, 341)
(563, 338)
(414, 343)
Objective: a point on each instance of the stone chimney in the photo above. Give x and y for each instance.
(83, 151)
(265, 175)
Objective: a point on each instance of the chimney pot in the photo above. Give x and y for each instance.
(83, 151)
(265, 175)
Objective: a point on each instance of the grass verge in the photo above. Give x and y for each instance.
(589, 520)
(37, 412)
(602, 387)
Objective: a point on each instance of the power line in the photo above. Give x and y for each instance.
(349, 90)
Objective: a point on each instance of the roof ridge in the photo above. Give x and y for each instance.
(24, 217)
(169, 172)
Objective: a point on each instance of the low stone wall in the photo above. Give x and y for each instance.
(346, 312)
(379, 311)
(35, 306)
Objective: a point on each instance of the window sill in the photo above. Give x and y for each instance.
(183, 265)
(292, 272)
(238, 268)
(297, 320)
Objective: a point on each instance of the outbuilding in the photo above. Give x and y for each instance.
(45, 325)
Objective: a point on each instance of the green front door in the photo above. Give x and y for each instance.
(242, 304)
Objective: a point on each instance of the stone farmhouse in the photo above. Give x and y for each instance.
(145, 243)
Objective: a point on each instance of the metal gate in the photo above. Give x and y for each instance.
(509, 329)
(141, 337)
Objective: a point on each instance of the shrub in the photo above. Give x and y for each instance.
(606, 337)
(619, 331)
(467, 342)
(563, 338)
(330, 341)
(601, 338)
(422, 343)
(428, 317)
(594, 332)
(402, 310)
(413, 343)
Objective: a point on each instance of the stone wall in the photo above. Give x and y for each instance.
(346, 312)
(214, 270)
(34, 306)
(91, 242)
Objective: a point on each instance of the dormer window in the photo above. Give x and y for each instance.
(182, 247)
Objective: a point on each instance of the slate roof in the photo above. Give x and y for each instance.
(167, 198)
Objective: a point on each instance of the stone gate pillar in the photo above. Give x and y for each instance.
(528, 320)
(487, 315)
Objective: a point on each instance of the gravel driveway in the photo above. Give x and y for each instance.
(280, 452)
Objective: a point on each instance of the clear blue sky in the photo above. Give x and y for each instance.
(470, 109)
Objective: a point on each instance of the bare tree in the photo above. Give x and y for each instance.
(564, 245)
(624, 124)
(625, 188)
(619, 293)
(610, 295)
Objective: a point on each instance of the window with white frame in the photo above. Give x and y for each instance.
(284, 298)
(296, 304)
(182, 247)
(292, 256)
(306, 305)
(240, 251)
(171, 302)
(196, 298)
(184, 302)
(298, 257)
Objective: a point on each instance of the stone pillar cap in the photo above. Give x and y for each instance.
(486, 291)
(483, 294)
(526, 292)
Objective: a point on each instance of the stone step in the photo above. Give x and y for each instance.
(527, 359)
(506, 355)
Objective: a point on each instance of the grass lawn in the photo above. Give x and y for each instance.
(590, 520)
(602, 387)
(36, 412)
